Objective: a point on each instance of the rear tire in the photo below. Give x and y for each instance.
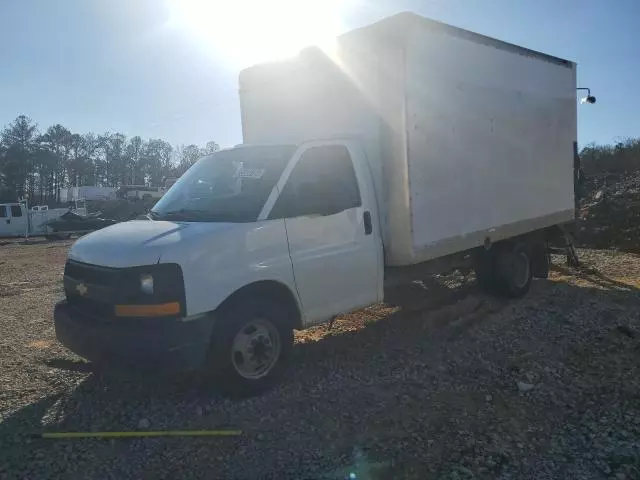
(251, 342)
(514, 269)
(506, 269)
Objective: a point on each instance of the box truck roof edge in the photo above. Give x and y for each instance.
(397, 27)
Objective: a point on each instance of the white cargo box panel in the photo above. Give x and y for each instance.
(468, 137)
(490, 132)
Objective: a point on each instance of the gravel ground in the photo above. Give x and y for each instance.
(442, 383)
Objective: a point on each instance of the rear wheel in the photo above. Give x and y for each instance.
(506, 269)
(514, 269)
(250, 344)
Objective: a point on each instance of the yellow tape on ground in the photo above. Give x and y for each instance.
(161, 433)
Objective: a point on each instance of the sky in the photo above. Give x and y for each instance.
(157, 69)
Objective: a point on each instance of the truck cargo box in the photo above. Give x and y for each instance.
(467, 137)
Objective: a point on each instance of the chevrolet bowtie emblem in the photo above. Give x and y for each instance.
(81, 288)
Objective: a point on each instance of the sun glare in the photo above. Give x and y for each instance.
(245, 32)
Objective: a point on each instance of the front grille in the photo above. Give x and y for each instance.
(99, 282)
(90, 273)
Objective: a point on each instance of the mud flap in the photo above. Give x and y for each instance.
(540, 260)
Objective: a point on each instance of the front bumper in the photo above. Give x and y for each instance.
(147, 343)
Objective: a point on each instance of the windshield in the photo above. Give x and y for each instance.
(228, 186)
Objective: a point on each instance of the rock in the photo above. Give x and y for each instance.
(465, 470)
(621, 476)
(199, 411)
(625, 330)
(525, 387)
(144, 423)
(488, 398)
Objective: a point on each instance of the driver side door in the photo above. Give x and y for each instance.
(18, 220)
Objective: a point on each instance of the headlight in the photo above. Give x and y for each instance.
(146, 283)
(149, 290)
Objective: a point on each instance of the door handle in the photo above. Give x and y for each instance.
(368, 228)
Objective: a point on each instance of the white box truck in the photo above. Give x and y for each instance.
(410, 147)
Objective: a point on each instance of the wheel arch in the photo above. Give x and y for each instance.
(276, 291)
(536, 243)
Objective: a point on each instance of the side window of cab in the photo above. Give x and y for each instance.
(16, 211)
(323, 183)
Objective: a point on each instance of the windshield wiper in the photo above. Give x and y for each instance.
(182, 214)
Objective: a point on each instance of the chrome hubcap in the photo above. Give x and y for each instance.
(256, 349)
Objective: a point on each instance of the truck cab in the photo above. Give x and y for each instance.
(250, 243)
(13, 220)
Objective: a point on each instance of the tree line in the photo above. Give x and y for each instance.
(40, 163)
(624, 156)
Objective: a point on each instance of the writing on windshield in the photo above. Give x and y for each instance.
(227, 186)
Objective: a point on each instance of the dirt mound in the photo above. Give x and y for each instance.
(610, 212)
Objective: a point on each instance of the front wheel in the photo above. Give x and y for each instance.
(250, 343)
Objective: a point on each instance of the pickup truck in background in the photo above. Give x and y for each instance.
(16, 220)
(410, 148)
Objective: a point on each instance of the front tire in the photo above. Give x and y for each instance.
(251, 342)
